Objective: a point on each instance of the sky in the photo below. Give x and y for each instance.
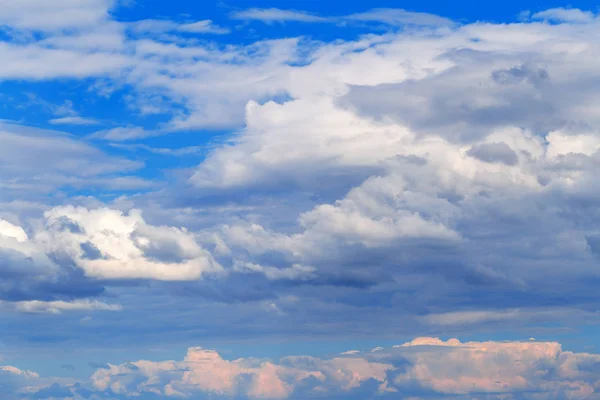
(273, 200)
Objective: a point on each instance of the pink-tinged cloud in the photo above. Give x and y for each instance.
(452, 367)
(205, 371)
(422, 368)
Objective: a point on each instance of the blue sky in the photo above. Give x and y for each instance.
(301, 199)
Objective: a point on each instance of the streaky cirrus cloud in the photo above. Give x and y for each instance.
(74, 120)
(160, 26)
(390, 16)
(276, 15)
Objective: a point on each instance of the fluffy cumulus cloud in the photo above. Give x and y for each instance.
(108, 244)
(523, 369)
(19, 255)
(425, 367)
(461, 157)
(75, 246)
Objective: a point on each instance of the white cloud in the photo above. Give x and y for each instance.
(459, 318)
(20, 256)
(75, 120)
(276, 15)
(574, 15)
(453, 163)
(390, 16)
(55, 15)
(109, 244)
(399, 17)
(121, 134)
(295, 272)
(204, 371)
(427, 368)
(38, 161)
(59, 306)
(17, 371)
(159, 26)
(359, 218)
(181, 151)
(35, 62)
(453, 367)
(428, 144)
(12, 231)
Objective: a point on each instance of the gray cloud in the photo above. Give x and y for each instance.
(494, 152)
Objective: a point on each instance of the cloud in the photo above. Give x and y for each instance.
(12, 231)
(204, 371)
(398, 183)
(572, 15)
(35, 281)
(458, 156)
(276, 15)
(389, 16)
(121, 134)
(296, 271)
(159, 26)
(13, 379)
(57, 307)
(178, 152)
(63, 14)
(17, 371)
(108, 244)
(495, 316)
(73, 121)
(41, 63)
(425, 367)
(19, 384)
(494, 152)
(399, 17)
(521, 368)
(426, 179)
(38, 161)
(351, 220)
(20, 258)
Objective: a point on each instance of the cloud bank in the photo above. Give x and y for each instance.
(425, 367)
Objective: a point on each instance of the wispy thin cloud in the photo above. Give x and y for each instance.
(396, 17)
(73, 121)
(59, 306)
(120, 134)
(560, 14)
(159, 26)
(182, 151)
(389, 16)
(276, 15)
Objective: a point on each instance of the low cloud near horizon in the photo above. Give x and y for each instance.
(425, 367)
